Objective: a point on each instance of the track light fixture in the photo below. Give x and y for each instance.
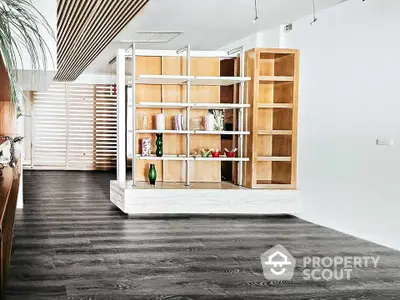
(315, 19)
(314, 14)
(256, 11)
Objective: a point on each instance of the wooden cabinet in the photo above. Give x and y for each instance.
(273, 95)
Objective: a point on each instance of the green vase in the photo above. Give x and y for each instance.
(152, 174)
(159, 144)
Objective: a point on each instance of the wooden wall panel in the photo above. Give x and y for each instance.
(149, 65)
(174, 171)
(202, 171)
(7, 118)
(7, 109)
(4, 83)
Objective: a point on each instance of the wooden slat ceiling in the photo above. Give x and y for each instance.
(85, 28)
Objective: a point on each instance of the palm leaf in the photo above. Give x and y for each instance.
(21, 25)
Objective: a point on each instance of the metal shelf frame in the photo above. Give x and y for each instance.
(241, 106)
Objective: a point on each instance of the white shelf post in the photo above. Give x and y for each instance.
(133, 67)
(241, 52)
(187, 163)
(121, 119)
(241, 111)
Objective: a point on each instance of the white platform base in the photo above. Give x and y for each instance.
(201, 198)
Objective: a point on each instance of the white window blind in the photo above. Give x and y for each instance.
(74, 127)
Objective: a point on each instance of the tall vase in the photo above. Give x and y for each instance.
(152, 174)
(159, 144)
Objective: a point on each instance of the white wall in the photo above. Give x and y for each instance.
(349, 66)
(40, 80)
(48, 8)
(269, 38)
(348, 97)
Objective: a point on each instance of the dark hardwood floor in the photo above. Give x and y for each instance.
(71, 243)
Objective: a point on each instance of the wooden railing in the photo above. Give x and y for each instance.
(8, 196)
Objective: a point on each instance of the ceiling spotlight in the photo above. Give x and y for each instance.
(256, 11)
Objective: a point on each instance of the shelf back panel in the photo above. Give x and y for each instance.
(149, 65)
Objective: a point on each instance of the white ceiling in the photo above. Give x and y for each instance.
(206, 24)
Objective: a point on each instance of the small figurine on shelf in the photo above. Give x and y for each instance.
(205, 152)
(209, 120)
(179, 122)
(159, 144)
(230, 153)
(13, 141)
(145, 121)
(215, 153)
(196, 123)
(152, 174)
(146, 147)
(160, 121)
(218, 119)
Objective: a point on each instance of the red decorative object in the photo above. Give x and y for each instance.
(230, 154)
(215, 153)
(114, 91)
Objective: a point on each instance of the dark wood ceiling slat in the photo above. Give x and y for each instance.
(62, 32)
(99, 47)
(81, 39)
(74, 25)
(84, 35)
(62, 14)
(85, 28)
(107, 27)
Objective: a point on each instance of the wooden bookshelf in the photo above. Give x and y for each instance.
(273, 95)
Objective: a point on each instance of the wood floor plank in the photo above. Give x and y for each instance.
(72, 243)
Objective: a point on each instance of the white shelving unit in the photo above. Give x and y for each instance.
(171, 196)
(191, 158)
(221, 132)
(163, 131)
(218, 81)
(189, 80)
(174, 105)
(192, 132)
(163, 79)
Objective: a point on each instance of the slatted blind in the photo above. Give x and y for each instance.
(74, 127)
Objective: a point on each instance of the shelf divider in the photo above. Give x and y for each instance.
(274, 158)
(218, 81)
(275, 132)
(276, 78)
(183, 157)
(191, 105)
(275, 105)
